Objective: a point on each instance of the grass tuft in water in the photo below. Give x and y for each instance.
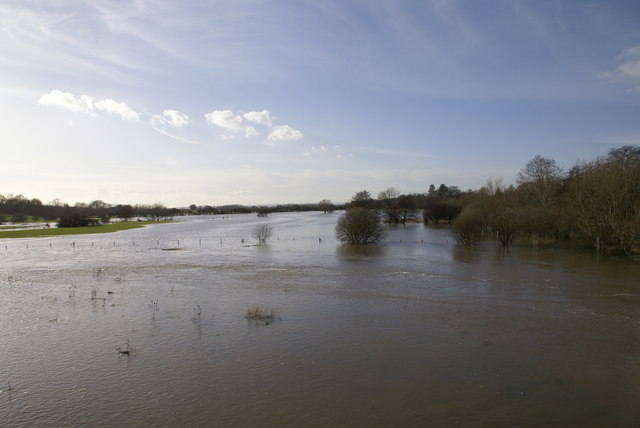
(260, 315)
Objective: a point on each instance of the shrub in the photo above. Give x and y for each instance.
(468, 225)
(359, 226)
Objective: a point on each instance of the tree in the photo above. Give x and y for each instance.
(539, 178)
(442, 204)
(326, 206)
(125, 212)
(388, 198)
(262, 232)
(263, 211)
(362, 199)
(406, 208)
(503, 216)
(469, 225)
(604, 202)
(77, 220)
(359, 226)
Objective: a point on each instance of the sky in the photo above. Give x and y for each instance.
(294, 101)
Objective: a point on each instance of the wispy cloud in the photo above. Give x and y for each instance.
(175, 137)
(402, 153)
(86, 104)
(628, 69)
(629, 138)
(173, 118)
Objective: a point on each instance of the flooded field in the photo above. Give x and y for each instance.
(414, 332)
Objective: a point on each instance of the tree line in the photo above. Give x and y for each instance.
(595, 203)
(18, 209)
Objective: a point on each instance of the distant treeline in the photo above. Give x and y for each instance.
(17, 209)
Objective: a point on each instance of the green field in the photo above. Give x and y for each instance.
(107, 228)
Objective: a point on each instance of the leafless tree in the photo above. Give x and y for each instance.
(262, 232)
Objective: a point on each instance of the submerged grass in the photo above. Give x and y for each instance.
(106, 228)
(260, 315)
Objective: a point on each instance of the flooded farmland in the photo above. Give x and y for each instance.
(417, 331)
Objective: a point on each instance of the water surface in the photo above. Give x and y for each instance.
(414, 332)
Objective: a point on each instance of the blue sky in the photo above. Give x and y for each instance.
(254, 102)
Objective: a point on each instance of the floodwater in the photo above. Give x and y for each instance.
(414, 332)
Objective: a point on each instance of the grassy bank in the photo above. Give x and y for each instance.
(107, 228)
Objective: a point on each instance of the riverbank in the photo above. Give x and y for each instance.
(48, 232)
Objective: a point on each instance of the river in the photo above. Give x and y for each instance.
(417, 331)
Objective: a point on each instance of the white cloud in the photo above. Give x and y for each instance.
(283, 133)
(629, 69)
(86, 104)
(171, 117)
(260, 117)
(66, 100)
(630, 52)
(230, 121)
(250, 131)
(226, 119)
(121, 110)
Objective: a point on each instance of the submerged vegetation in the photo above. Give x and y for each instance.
(260, 315)
(359, 225)
(595, 204)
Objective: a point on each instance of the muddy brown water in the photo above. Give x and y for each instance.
(414, 332)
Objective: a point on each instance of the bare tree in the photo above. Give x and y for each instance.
(262, 232)
(539, 178)
(389, 198)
